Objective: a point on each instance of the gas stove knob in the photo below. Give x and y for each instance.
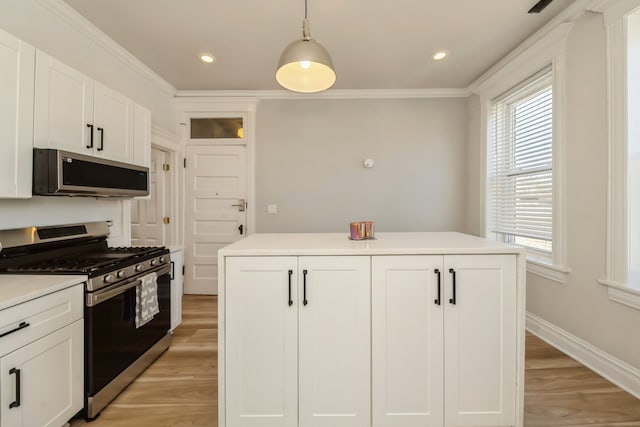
(153, 262)
(162, 260)
(108, 278)
(120, 274)
(138, 267)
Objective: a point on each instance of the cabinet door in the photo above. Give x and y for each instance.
(261, 355)
(480, 340)
(407, 346)
(50, 380)
(113, 116)
(17, 62)
(335, 349)
(63, 106)
(141, 136)
(176, 288)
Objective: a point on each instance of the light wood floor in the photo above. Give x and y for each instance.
(179, 389)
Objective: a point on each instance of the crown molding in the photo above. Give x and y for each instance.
(329, 94)
(568, 15)
(86, 28)
(613, 9)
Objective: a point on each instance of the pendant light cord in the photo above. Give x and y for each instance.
(305, 9)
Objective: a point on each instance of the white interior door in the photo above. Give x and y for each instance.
(215, 211)
(147, 227)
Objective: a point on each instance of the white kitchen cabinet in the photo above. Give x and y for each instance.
(113, 117)
(428, 338)
(78, 114)
(177, 286)
(141, 136)
(41, 384)
(382, 333)
(17, 61)
(42, 359)
(407, 341)
(297, 349)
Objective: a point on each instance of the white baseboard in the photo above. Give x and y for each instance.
(615, 370)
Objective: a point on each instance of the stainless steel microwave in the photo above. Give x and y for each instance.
(63, 173)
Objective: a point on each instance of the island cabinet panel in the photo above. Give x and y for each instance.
(298, 341)
(407, 330)
(407, 341)
(334, 341)
(443, 356)
(480, 341)
(261, 342)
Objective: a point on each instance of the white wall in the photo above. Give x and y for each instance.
(581, 306)
(309, 156)
(34, 22)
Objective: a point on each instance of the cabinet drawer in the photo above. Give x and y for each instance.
(42, 315)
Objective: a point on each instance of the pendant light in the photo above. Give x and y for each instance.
(305, 65)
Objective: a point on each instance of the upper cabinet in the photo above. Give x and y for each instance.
(16, 116)
(76, 113)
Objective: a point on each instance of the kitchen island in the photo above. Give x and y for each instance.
(411, 329)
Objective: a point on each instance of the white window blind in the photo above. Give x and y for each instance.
(520, 179)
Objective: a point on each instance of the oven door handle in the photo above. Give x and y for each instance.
(96, 298)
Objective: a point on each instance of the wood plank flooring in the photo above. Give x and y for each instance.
(180, 388)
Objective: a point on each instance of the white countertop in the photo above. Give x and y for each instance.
(414, 243)
(16, 289)
(174, 248)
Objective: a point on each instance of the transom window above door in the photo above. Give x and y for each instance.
(217, 128)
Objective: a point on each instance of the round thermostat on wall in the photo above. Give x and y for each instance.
(368, 163)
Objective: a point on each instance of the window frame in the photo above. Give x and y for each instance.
(549, 50)
(527, 89)
(616, 15)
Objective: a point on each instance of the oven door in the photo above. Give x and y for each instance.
(112, 341)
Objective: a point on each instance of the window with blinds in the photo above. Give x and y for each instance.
(520, 175)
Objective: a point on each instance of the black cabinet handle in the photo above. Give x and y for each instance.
(101, 130)
(290, 300)
(437, 301)
(90, 126)
(16, 402)
(22, 325)
(304, 287)
(241, 229)
(173, 271)
(453, 300)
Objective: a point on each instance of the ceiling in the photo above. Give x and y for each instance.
(375, 44)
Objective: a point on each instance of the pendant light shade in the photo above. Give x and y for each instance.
(305, 65)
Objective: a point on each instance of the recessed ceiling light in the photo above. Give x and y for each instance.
(441, 54)
(207, 57)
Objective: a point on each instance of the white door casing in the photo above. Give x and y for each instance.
(147, 227)
(407, 341)
(215, 181)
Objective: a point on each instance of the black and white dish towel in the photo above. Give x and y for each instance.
(147, 299)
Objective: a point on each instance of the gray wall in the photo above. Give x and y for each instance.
(581, 306)
(309, 156)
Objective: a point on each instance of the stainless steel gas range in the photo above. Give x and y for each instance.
(118, 347)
